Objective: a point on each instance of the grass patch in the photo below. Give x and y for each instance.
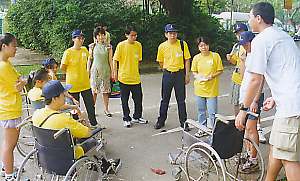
(26, 69)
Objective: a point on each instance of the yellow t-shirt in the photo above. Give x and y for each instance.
(76, 73)
(237, 58)
(60, 121)
(35, 94)
(171, 55)
(128, 55)
(10, 98)
(207, 65)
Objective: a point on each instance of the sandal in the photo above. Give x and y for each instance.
(107, 113)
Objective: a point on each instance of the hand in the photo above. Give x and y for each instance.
(210, 77)
(240, 120)
(20, 84)
(187, 79)
(76, 102)
(269, 104)
(254, 107)
(115, 76)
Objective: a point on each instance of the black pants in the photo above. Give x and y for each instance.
(89, 104)
(169, 81)
(137, 96)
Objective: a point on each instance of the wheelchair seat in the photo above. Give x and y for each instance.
(54, 155)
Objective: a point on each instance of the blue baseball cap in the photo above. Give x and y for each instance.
(170, 28)
(246, 37)
(77, 33)
(240, 26)
(54, 88)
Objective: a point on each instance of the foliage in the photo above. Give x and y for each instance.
(47, 24)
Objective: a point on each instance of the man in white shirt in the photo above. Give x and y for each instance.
(275, 56)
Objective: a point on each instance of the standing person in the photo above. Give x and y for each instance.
(173, 57)
(237, 57)
(74, 63)
(275, 56)
(207, 68)
(101, 70)
(10, 102)
(251, 164)
(129, 54)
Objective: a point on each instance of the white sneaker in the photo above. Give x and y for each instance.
(140, 120)
(262, 138)
(127, 124)
(200, 134)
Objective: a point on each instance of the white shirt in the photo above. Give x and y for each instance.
(246, 80)
(275, 55)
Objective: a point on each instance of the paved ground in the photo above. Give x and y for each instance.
(137, 148)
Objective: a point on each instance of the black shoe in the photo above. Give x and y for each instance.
(187, 128)
(158, 125)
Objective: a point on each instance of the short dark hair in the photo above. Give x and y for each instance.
(129, 29)
(202, 39)
(49, 63)
(33, 76)
(99, 30)
(6, 39)
(48, 101)
(265, 10)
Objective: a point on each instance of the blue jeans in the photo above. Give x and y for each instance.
(209, 104)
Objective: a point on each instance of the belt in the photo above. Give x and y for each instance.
(169, 72)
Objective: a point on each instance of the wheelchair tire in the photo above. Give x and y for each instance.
(203, 163)
(29, 169)
(234, 165)
(84, 169)
(26, 140)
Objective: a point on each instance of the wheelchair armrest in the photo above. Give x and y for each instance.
(96, 131)
(24, 122)
(60, 132)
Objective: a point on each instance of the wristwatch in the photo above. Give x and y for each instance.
(243, 108)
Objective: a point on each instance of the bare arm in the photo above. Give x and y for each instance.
(253, 87)
(63, 67)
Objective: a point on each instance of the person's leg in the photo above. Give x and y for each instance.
(179, 86)
(201, 105)
(90, 105)
(166, 90)
(292, 169)
(274, 166)
(253, 135)
(137, 97)
(105, 97)
(10, 139)
(212, 105)
(125, 91)
(94, 97)
(235, 95)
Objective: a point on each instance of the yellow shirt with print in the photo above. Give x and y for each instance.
(207, 65)
(76, 72)
(237, 58)
(128, 55)
(10, 98)
(60, 121)
(171, 55)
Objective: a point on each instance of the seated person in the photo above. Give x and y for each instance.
(50, 118)
(38, 79)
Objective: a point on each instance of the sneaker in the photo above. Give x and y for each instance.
(262, 138)
(127, 124)
(250, 166)
(241, 158)
(15, 171)
(115, 166)
(140, 120)
(200, 134)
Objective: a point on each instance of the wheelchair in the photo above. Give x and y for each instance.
(219, 155)
(53, 158)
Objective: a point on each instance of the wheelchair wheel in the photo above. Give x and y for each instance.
(30, 170)
(26, 141)
(84, 169)
(203, 163)
(239, 167)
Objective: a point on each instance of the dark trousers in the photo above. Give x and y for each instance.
(170, 80)
(89, 104)
(137, 96)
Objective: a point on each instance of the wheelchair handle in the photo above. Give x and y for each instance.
(95, 131)
(60, 132)
(24, 122)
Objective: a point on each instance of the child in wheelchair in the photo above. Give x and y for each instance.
(50, 118)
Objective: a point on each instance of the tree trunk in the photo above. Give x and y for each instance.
(177, 8)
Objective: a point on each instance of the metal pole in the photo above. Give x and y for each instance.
(231, 15)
